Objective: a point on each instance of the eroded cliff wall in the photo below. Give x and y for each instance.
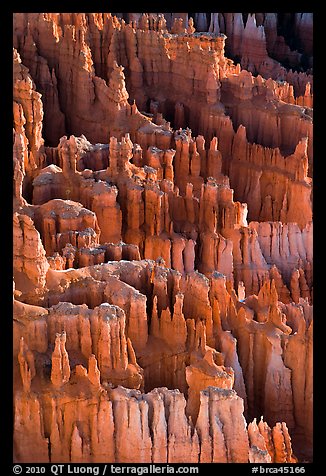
(162, 237)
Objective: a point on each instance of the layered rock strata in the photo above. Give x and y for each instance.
(162, 254)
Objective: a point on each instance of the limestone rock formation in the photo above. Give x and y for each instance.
(162, 252)
(60, 369)
(30, 264)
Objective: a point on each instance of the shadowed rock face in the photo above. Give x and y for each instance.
(162, 237)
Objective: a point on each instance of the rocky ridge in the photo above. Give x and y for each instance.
(162, 238)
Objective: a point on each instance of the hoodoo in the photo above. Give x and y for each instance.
(162, 238)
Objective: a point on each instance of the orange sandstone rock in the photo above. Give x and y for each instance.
(162, 224)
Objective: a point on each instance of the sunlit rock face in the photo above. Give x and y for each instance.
(162, 237)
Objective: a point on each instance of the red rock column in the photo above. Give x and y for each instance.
(60, 372)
